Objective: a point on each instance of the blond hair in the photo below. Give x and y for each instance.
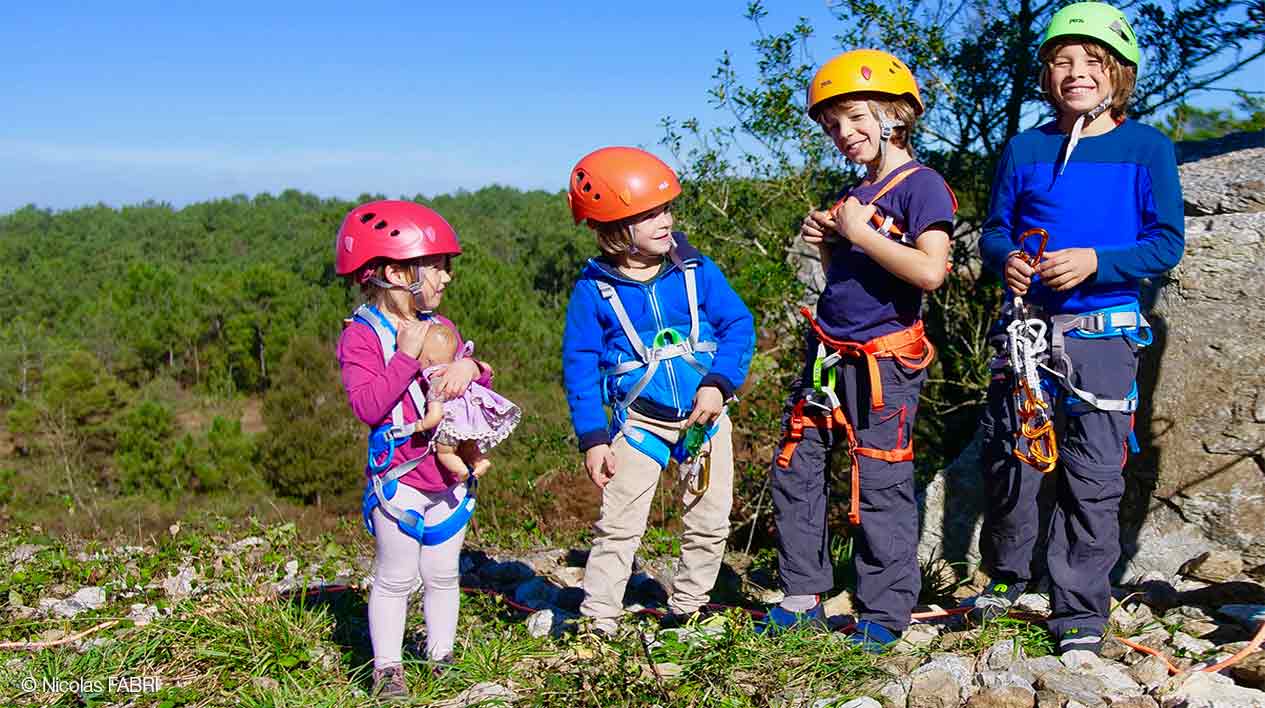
(899, 109)
(1123, 76)
(613, 237)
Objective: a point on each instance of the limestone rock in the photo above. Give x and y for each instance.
(934, 689)
(1250, 670)
(1003, 697)
(1232, 183)
(1204, 690)
(1213, 566)
(1150, 672)
(486, 693)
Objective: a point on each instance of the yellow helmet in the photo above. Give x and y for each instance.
(863, 70)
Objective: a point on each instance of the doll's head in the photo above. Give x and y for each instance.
(439, 346)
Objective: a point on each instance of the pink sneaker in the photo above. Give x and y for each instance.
(388, 683)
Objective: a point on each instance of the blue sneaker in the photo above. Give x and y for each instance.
(872, 637)
(780, 619)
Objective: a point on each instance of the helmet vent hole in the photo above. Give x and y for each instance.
(395, 232)
(579, 176)
(587, 187)
(382, 224)
(596, 196)
(366, 218)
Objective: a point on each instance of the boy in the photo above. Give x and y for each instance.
(1105, 191)
(654, 331)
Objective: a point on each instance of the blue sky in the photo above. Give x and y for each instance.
(120, 102)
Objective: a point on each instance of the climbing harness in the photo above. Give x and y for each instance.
(910, 347)
(667, 343)
(886, 225)
(1035, 346)
(383, 440)
(692, 451)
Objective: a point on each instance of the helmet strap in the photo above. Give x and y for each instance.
(1081, 121)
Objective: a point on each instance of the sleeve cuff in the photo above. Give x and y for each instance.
(593, 438)
(720, 382)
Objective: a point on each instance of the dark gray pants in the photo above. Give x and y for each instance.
(885, 545)
(1084, 530)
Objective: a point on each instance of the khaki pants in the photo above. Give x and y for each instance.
(626, 501)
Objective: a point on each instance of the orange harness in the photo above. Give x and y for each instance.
(886, 225)
(909, 346)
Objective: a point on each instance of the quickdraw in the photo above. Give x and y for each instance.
(1027, 339)
(910, 347)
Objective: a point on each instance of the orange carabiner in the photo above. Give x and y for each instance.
(1023, 238)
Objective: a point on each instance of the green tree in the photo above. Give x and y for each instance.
(314, 447)
(1187, 122)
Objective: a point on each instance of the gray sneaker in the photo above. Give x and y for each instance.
(996, 601)
(388, 683)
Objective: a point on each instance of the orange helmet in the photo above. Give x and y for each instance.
(615, 183)
(863, 70)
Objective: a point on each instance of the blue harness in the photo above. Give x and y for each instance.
(383, 440)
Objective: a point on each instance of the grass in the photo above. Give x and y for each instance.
(236, 643)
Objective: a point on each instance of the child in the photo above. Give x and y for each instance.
(881, 247)
(654, 331)
(400, 254)
(468, 426)
(1105, 191)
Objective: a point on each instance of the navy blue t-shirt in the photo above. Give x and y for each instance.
(862, 300)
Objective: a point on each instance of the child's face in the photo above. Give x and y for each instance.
(436, 274)
(854, 129)
(1078, 79)
(652, 232)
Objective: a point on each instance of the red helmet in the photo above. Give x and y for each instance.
(615, 183)
(393, 230)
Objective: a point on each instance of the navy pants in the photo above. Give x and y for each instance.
(1084, 531)
(885, 545)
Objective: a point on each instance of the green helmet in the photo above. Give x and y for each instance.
(1097, 21)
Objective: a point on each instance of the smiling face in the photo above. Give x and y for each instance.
(1077, 78)
(652, 231)
(854, 129)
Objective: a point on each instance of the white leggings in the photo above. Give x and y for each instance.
(402, 563)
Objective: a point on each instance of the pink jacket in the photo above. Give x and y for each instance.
(374, 388)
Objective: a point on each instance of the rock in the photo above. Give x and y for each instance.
(180, 585)
(1204, 690)
(865, 702)
(838, 605)
(1002, 656)
(24, 553)
(1232, 183)
(895, 693)
(265, 683)
(1132, 702)
(248, 543)
(1213, 566)
(1150, 672)
(955, 640)
(1190, 646)
(951, 531)
(1250, 670)
(1003, 697)
(1129, 620)
(479, 694)
(959, 670)
(991, 678)
(85, 599)
(917, 637)
(1038, 603)
(1207, 393)
(567, 576)
(934, 689)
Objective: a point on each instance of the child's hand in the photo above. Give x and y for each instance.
(599, 460)
(453, 380)
(1018, 274)
(409, 337)
(853, 216)
(1066, 268)
(817, 227)
(708, 404)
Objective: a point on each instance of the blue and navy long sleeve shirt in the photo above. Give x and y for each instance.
(1119, 195)
(594, 342)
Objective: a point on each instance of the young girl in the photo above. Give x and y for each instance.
(1081, 209)
(465, 427)
(654, 331)
(881, 247)
(400, 254)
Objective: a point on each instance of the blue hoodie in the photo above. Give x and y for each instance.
(594, 341)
